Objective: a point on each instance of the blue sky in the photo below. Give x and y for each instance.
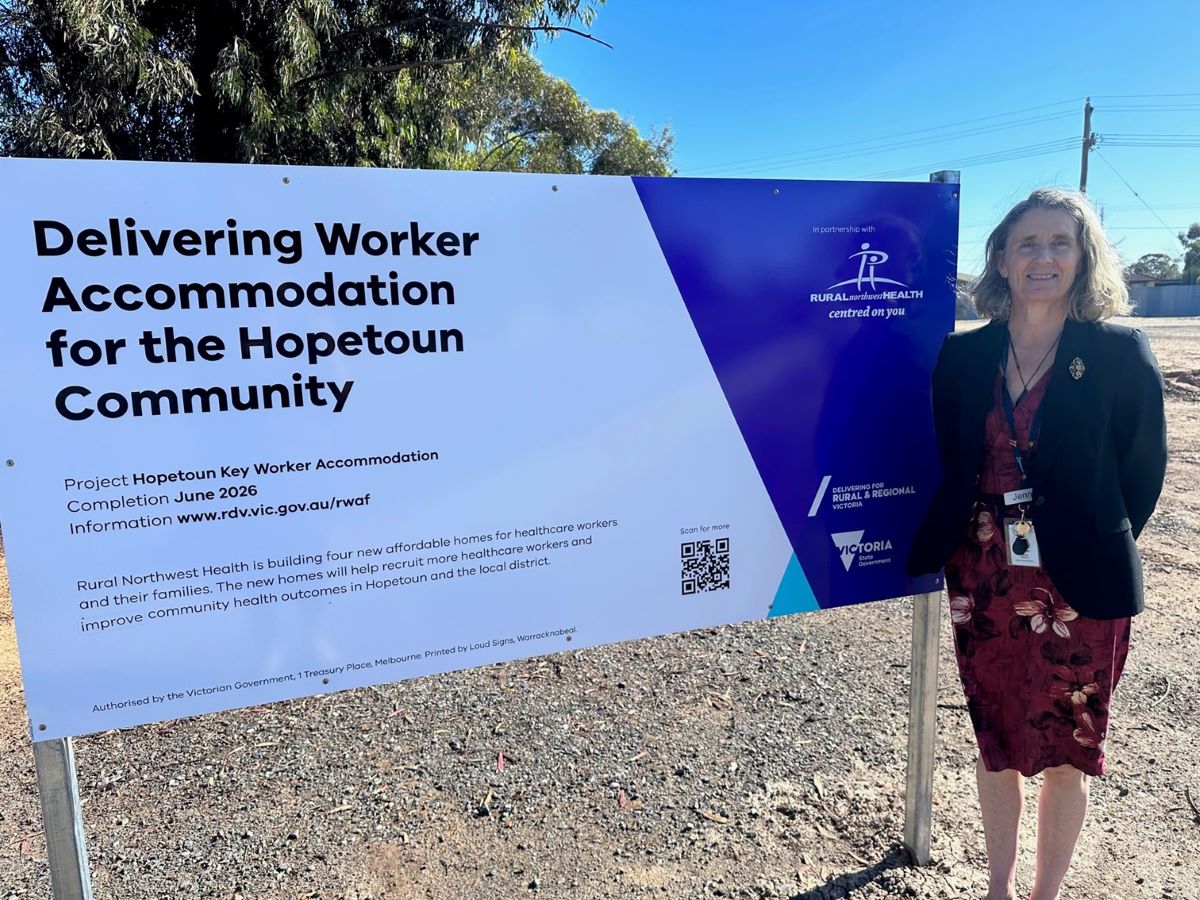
(898, 90)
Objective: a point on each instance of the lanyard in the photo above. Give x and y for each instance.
(1024, 458)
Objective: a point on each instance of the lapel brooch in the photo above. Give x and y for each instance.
(1077, 368)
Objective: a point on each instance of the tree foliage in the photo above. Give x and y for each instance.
(333, 82)
(1154, 265)
(519, 118)
(1190, 240)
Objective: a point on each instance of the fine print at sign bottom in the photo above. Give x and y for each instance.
(139, 599)
(327, 674)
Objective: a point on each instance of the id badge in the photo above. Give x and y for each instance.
(1017, 497)
(1022, 549)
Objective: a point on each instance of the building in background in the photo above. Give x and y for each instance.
(964, 302)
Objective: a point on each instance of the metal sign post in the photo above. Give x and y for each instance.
(922, 730)
(59, 793)
(922, 699)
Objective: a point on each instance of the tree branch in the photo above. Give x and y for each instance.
(371, 70)
(475, 23)
(528, 132)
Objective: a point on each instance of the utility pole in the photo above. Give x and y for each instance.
(1089, 141)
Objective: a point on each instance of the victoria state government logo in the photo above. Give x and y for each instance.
(868, 284)
(850, 546)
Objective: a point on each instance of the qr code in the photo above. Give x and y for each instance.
(705, 565)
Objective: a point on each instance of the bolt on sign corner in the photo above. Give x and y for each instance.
(279, 431)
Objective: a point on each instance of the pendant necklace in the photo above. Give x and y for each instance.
(1017, 362)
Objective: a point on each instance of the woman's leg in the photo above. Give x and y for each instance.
(1062, 807)
(1001, 795)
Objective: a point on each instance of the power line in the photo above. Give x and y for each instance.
(1195, 204)
(981, 160)
(1174, 231)
(1119, 134)
(984, 159)
(1141, 141)
(1116, 139)
(1190, 107)
(1135, 193)
(832, 147)
(885, 148)
(941, 133)
(811, 158)
(1148, 139)
(1129, 96)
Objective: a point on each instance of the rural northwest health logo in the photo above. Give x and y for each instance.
(868, 259)
(868, 283)
(850, 545)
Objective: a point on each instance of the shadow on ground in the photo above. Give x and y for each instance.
(841, 885)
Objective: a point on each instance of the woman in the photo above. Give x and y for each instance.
(1052, 440)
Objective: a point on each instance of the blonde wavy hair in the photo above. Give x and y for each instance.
(1099, 290)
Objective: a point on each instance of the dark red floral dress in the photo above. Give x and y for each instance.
(1038, 676)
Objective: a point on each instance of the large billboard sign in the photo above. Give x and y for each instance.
(269, 432)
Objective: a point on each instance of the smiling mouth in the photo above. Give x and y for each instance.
(1041, 277)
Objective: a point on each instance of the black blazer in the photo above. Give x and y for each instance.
(1097, 470)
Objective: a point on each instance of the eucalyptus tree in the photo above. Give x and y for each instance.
(333, 82)
(1190, 240)
(1155, 265)
(522, 119)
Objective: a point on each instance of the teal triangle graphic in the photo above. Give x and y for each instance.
(794, 594)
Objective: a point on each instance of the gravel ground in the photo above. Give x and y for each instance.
(759, 760)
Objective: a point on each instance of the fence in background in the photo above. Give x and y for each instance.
(1165, 299)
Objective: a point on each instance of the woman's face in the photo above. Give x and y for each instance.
(1041, 257)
